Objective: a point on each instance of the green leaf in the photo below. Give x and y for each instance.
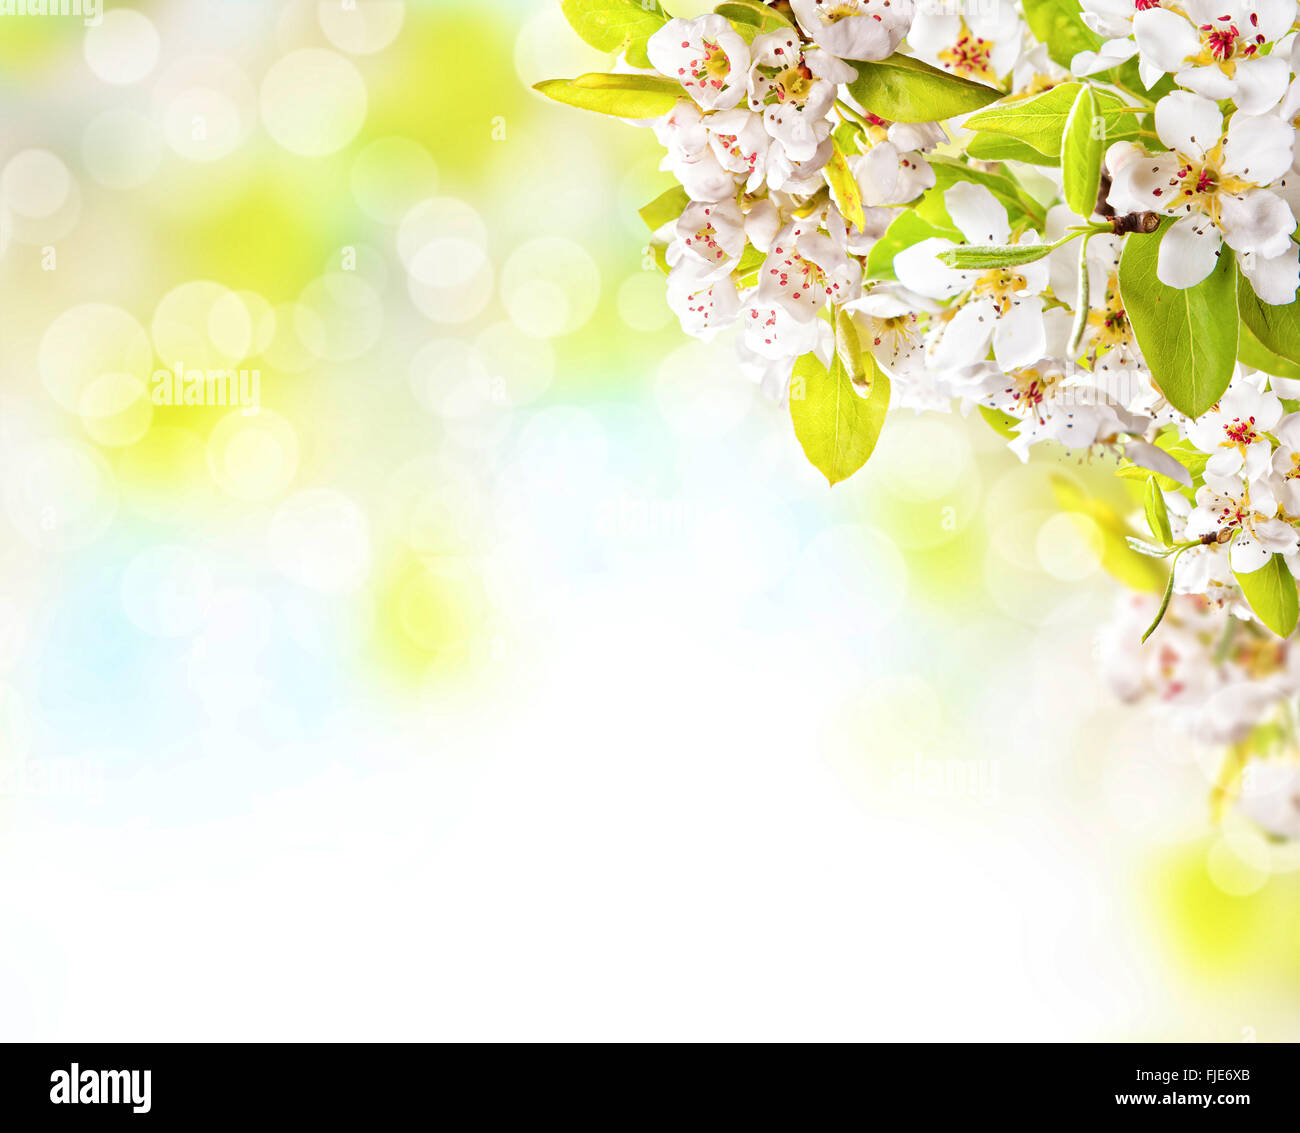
(1138, 572)
(665, 208)
(612, 25)
(1164, 602)
(1057, 24)
(848, 351)
(933, 209)
(754, 13)
(1277, 328)
(1253, 353)
(903, 89)
(837, 427)
(844, 188)
(999, 147)
(849, 136)
(1081, 308)
(1188, 335)
(906, 229)
(746, 272)
(970, 256)
(1183, 451)
(1039, 121)
(1271, 592)
(625, 96)
(947, 172)
(1001, 423)
(1082, 146)
(1157, 512)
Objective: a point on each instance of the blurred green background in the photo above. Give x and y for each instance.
(508, 672)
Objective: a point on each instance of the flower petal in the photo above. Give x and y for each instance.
(1260, 84)
(919, 269)
(965, 339)
(1247, 556)
(1258, 221)
(1188, 252)
(1020, 337)
(1275, 281)
(1141, 181)
(1257, 148)
(1187, 122)
(977, 213)
(1166, 39)
(1224, 462)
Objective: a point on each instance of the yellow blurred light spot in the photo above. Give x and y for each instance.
(253, 458)
(428, 614)
(116, 409)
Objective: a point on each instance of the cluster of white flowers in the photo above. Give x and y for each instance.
(749, 147)
(765, 242)
(1214, 675)
(980, 257)
(1218, 679)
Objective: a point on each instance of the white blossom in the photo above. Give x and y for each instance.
(794, 87)
(706, 56)
(1215, 184)
(855, 29)
(1219, 48)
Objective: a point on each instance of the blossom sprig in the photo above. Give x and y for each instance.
(1082, 226)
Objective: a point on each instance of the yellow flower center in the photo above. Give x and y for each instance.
(1224, 45)
(1202, 183)
(970, 56)
(1030, 388)
(794, 84)
(717, 64)
(1000, 285)
(1109, 322)
(836, 12)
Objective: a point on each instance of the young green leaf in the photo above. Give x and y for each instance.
(1188, 335)
(837, 427)
(1082, 147)
(1081, 307)
(972, 256)
(751, 261)
(1277, 328)
(665, 208)
(1253, 353)
(1158, 513)
(1271, 592)
(849, 136)
(1000, 147)
(844, 188)
(612, 25)
(754, 13)
(1164, 601)
(1039, 121)
(1057, 24)
(624, 96)
(1001, 423)
(848, 351)
(1142, 547)
(903, 89)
